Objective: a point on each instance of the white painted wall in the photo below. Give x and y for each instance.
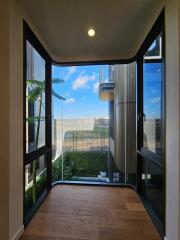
(4, 119)
(172, 120)
(11, 120)
(15, 121)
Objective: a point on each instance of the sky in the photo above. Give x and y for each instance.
(152, 90)
(80, 89)
(152, 87)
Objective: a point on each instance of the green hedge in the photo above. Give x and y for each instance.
(80, 164)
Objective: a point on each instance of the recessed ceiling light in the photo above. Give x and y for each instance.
(91, 32)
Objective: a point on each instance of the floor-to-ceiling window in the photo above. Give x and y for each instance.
(151, 123)
(94, 123)
(153, 80)
(80, 125)
(35, 124)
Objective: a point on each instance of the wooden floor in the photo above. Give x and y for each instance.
(91, 212)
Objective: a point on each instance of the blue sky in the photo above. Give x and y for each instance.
(152, 90)
(80, 90)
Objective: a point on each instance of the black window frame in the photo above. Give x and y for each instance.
(45, 150)
(157, 29)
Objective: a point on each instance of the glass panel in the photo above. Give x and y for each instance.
(80, 125)
(86, 151)
(153, 106)
(86, 129)
(35, 99)
(154, 187)
(35, 182)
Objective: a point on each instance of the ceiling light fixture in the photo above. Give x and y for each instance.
(91, 32)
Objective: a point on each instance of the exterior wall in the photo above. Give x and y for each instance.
(82, 124)
(125, 118)
(111, 120)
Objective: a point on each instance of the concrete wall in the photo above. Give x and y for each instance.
(81, 124)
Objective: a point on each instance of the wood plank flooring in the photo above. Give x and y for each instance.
(90, 213)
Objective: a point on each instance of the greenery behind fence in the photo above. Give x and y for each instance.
(80, 164)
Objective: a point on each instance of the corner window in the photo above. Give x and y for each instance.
(35, 99)
(37, 150)
(152, 72)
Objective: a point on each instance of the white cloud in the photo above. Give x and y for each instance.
(83, 80)
(155, 100)
(95, 87)
(70, 72)
(70, 100)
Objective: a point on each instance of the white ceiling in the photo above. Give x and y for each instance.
(119, 25)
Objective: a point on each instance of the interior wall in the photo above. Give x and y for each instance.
(16, 122)
(4, 119)
(11, 121)
(172, 120)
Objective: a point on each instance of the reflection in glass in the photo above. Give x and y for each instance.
(35, 99)
(35, 182)
(155, 50)
(152, 71)
(154, 187)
